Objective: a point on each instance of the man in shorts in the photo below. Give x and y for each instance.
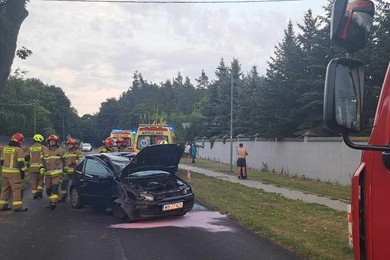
(187, 149)
(242, 153)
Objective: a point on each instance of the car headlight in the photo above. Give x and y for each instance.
(187, 190)
(147, 197)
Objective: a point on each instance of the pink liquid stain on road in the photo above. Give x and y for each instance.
(208, 220)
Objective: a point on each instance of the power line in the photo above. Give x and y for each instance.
(173, 2)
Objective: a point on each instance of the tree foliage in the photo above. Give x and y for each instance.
(287, 101)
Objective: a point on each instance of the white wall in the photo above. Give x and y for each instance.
(326, 159)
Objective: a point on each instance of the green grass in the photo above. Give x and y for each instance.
(325, 189)
(311, 230)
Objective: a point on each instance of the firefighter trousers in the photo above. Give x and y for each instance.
(64, 186)
(52, 183)
(36, 184)
(11, 182)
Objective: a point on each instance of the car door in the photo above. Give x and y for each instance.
(96, 183)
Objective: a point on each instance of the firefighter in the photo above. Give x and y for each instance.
(72, 158)
(107, 147)
(14, 170)
(52, 161)
(121, 145)
(35, 154)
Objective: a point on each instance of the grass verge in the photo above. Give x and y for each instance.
(325, 189)
(312, 231)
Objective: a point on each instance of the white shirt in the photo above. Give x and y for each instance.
(187, 148)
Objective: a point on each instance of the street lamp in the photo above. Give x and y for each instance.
(231, 121)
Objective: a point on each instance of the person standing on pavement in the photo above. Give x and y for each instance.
(193, 152)
(187, 149)
(13, 172)
(52, 161)
(34, 158)
(242, 153)
(107, 147)
(71, 158)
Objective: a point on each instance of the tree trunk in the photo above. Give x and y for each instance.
(12, 15)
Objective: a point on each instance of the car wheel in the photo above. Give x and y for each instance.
(75, 199)
(119, 214)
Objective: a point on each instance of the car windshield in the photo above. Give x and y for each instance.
(86, 145)
(149, 173)
(120, 164)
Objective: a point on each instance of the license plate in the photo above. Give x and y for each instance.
(172, 206)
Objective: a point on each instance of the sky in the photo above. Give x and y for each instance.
(92, 50)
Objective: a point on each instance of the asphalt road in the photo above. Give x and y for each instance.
(89, 233)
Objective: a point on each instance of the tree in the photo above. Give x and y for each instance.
(278, 107)
(12, 15)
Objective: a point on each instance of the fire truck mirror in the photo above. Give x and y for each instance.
(351, 23)
(386, 159)
(343, 98)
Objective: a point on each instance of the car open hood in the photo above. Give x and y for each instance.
(163, 157)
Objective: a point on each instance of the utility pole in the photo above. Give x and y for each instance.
(231, 115)
(231, 121)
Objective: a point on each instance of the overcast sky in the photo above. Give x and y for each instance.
(91, 50)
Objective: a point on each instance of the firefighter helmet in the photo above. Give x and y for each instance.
(121, 141)
(38, 138)
(71, 141)
(18, 137)
(109, 141)
(53, 137)
(163, 142)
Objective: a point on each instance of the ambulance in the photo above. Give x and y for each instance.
(150, 134)
(127, 135)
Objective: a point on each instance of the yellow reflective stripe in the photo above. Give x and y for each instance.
(53, 157)
(40, 187)
(11, 151)
(20, 159)
(35, 165)
(54, 172)
(70, 170)
(10, 170)
(3, 202)
(53, 197)
(64, 192)
(17, 203)
(24, 168)
(35, 149)
(34, 191)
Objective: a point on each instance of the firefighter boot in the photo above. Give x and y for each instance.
(22, 209)
(35, 196)
(5, 207)
(53, 205)
(39, 194)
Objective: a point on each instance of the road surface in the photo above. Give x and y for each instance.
(89, 233)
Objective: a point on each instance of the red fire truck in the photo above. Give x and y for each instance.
(343, 104)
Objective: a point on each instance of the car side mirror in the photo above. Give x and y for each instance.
(343, 96)
(351, 23)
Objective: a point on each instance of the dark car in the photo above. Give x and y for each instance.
(145, 186)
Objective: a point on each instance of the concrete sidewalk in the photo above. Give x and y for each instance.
(288, 193)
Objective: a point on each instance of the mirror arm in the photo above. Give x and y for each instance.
(352, 145)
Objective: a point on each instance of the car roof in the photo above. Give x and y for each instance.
(109, 156)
